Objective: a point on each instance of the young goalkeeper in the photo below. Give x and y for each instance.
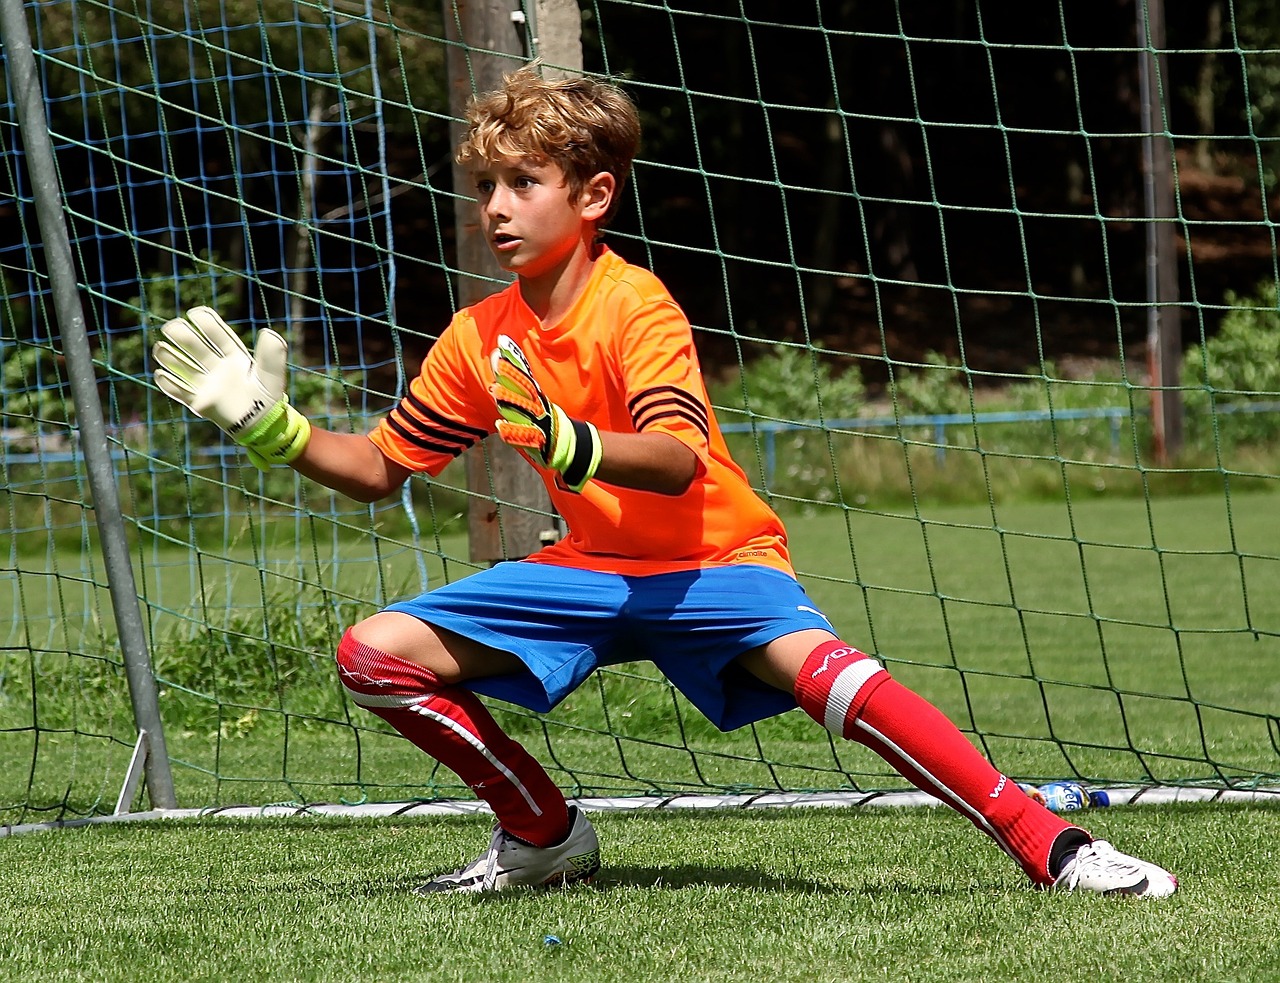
(587, 365)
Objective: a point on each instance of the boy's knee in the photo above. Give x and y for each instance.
(391, 631)
(376, 678)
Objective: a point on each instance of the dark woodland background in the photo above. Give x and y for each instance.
(883, 179)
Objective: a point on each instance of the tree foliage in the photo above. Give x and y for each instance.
(803, 182)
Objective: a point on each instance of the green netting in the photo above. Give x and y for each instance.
(912, 241)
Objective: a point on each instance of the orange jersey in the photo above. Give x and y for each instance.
(623, 359)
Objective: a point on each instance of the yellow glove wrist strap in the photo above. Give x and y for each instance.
(278, 438)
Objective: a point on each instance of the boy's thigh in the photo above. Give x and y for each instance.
(695, 625)
(561, 623)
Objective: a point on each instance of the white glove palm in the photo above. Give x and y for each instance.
(205, 367)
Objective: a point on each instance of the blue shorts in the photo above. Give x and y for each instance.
(564, 623)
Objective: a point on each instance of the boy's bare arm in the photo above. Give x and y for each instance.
(655, 462)
(351, 464)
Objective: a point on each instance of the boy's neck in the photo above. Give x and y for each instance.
(551, 295)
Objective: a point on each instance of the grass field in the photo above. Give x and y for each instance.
(788, 895)
(1120, 642)
(1116, 640)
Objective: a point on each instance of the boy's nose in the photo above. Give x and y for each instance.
(496, 206)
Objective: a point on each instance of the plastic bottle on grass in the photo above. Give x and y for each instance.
(1070, 796)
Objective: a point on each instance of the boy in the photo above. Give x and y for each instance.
(587, 365)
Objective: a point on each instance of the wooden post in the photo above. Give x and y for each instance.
(511, 514)
(1164, 322)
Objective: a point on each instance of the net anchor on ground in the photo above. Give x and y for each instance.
(132, 777)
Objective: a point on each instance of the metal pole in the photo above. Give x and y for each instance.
(42, 169)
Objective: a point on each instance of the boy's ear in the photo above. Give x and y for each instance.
(597, 195)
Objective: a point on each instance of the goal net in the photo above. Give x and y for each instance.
(926, 260)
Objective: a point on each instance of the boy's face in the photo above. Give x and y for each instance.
(528, 219)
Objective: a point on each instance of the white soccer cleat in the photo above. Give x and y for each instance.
(1101, 868)
(510, 862)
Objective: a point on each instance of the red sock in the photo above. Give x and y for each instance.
(854, 696)
(452, 725)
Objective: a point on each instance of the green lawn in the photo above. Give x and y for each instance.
(803, 895)
(1112, 641)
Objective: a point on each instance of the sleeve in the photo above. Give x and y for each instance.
(447, 409)
(662, 377)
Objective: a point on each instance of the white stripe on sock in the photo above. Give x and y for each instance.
(423, 710)
(844, 690)
(370, 700)
(938, 788)
(418, 705)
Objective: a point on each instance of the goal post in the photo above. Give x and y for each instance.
(92, 439)
(913, 252)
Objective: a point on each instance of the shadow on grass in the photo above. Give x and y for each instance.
(614, 878)
(683, 876)
(692, 877)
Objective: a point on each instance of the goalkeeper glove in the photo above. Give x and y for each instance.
(533, 423)
(205, 367)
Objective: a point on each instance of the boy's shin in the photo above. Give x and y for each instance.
(451, 725)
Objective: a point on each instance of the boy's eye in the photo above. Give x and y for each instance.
(484, 187)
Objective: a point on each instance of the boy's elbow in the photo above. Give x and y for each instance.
(388, 481)
(680, 479)
(367, 495)
(383, 479)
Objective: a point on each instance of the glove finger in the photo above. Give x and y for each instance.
(509, 351)
(199, 350)
(221, 338)
(270, 355)
(512, 401)
(187, 340)
(522, 435)
(517, 417)
(178, 363)
(501, 364)
(515, 380)
(174, 388)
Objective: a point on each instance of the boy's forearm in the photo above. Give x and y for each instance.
(350, 464)
(656, 462)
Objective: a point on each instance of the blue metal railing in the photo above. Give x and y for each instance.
(938, 423)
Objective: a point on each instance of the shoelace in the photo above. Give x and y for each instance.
(491, 859)
(1091, 854)
(1071, 874)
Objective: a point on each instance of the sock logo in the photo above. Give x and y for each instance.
(999, 788)
(831, 656)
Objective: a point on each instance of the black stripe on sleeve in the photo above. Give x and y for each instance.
(422, 410)
(667, 401)
(678, 414)
(419, 439)
(424, 427)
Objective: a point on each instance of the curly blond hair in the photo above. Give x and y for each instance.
(580, 124)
